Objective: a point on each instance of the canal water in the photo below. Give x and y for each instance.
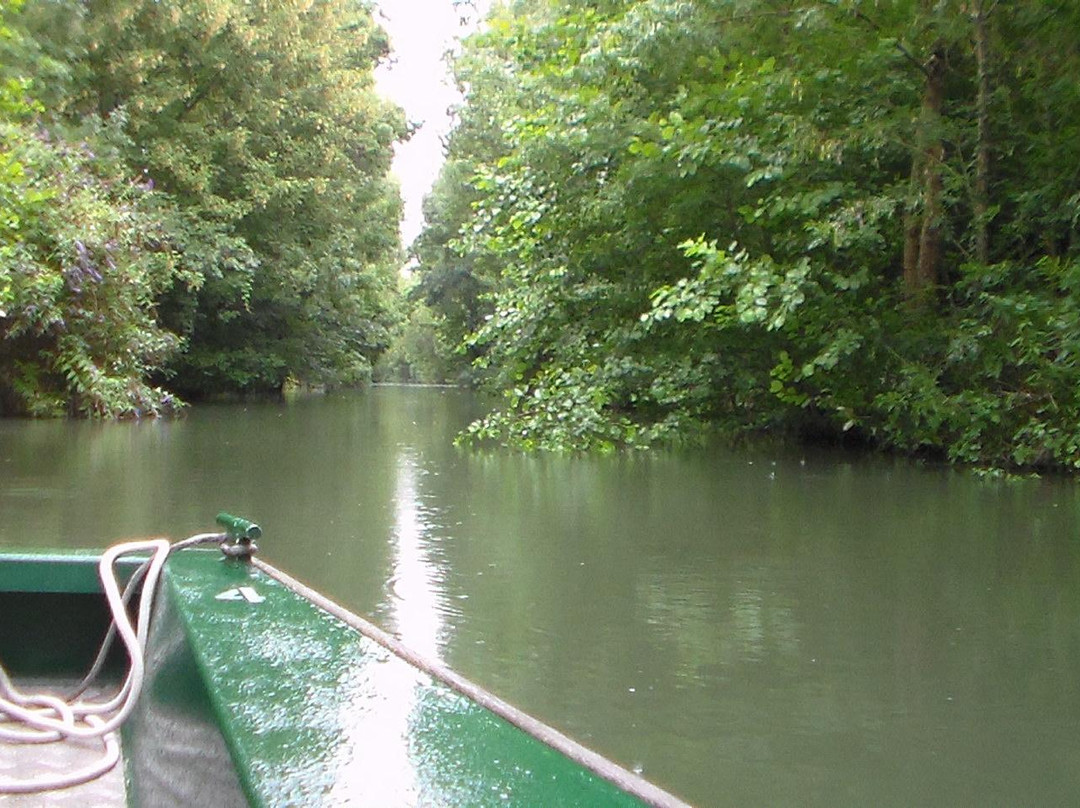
(751, 627)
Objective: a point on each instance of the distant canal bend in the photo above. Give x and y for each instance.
(745, 627)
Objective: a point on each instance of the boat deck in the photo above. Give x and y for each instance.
(262, 694)
(26, 761)
(334, 717)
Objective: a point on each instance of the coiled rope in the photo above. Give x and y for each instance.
(38, 718)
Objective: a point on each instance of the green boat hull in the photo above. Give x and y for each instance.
(260, 692)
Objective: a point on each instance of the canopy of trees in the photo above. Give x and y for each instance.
(193, 195)
(838, 217)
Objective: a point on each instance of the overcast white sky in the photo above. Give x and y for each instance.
(421, 31)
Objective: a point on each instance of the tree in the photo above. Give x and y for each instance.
(81, 257)
(741, 213)
(260, 120)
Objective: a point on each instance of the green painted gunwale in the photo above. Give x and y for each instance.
(313, 712)
(53, 571)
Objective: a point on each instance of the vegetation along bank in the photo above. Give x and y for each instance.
(831, 217)
(195, 198)
(836, 218)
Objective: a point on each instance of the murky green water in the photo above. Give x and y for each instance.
(746, 628)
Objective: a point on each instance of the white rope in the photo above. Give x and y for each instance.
(133, 584)
(43, 718)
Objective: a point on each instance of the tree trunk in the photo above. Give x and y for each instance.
(922, 236)
(913, 223)
(981, 202)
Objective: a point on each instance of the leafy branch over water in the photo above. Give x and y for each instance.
(837, 219)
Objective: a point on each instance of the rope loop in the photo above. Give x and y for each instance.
(40, 718)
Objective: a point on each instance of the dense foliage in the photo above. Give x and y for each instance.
(195, 195)
(81, 261)
(838, 217)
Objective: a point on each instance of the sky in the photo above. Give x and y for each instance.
(417, 79)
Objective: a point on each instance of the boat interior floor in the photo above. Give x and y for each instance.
(27, 761)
